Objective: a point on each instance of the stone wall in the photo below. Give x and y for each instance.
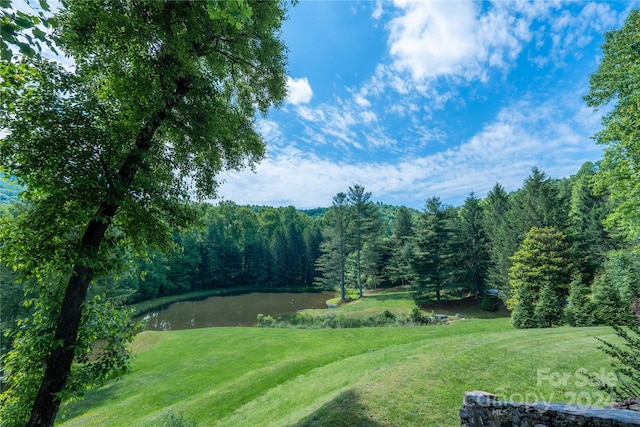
(484, 409)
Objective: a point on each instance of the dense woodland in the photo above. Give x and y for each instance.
(488, 247)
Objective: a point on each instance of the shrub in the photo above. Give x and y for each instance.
(488, 303)
(265, 321)
(416, 316)
(173, 419)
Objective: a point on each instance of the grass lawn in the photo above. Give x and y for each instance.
(409, 376)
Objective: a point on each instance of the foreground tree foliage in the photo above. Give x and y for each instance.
(162, 97)
(616, 82)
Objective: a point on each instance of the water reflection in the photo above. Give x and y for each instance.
(236, 310)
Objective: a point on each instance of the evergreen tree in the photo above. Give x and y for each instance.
(331, 263)
(501, 244)
(615, 290)
(579, 310)
(540, 270)
(548, 309)
(398, 267)
(434, 254)
(365, 225)
(474, 253)
(312, 236)
(537, 204)
(523, 315)
(590, 241)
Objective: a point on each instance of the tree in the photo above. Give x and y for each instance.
(110, 152)
(523, 315)
(23, 31)
(333, 248)
(615, 289)
(474, 255)
(398, 266)
(539, 275)
(590, 241)
(539, 203)
(365, 224)
(500, 240)
(434, 259)
(579, 310)
(616, 81)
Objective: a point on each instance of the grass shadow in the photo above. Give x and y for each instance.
(389, 296)
(102, 395)
(346, 410)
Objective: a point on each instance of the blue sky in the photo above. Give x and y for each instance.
(429, 98)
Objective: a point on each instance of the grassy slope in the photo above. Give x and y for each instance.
(371, 376)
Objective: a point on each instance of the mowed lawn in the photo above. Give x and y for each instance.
(391, 376)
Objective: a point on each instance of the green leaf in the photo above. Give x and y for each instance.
(5, 3)
(5, 52)
(44, 5)
(24, 22)
(39, 34)
(26, 49)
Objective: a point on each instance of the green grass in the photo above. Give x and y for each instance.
(400, 303)
(411, 376)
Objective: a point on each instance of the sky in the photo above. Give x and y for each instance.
(430, 98)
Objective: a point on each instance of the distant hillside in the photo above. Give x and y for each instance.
(8, 191)
(315, 212)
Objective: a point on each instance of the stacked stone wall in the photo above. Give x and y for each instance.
(481, 409)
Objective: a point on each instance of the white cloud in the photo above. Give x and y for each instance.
(361, 100)
(521, 136)
(463, 41)
(377, 11)
(431, 39)
(299, 91)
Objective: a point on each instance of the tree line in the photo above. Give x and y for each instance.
(542, 249)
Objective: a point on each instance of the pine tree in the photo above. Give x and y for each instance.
(501, 244)
(434, 256)
(579, 310)
(398, 267)
(548, 310)
(365, 225)
(613, 305)
(334, 246)
(473, 244)
(542, 261)
(523, 315)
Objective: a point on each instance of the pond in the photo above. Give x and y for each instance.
(235, 310)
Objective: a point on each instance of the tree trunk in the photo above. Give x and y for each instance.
(59, 361)
(58, 366)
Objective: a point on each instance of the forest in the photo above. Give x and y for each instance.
(486, 248)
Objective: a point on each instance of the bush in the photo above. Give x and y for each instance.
(416, 316)
(265, 321)
(488, 303)
(334, 321)
(173, 419)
